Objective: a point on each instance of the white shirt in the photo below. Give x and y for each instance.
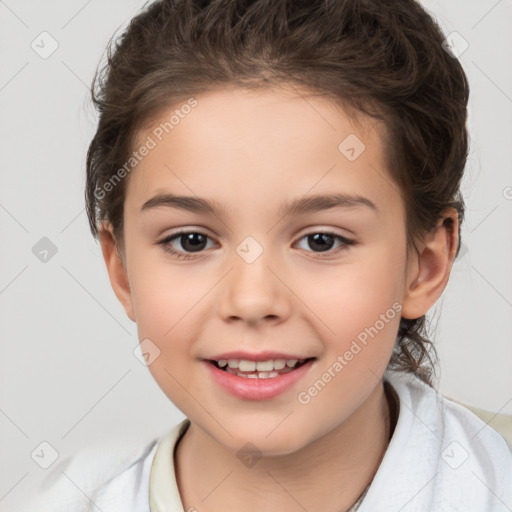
(441, 458)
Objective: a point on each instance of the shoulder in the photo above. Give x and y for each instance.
(99, 474)
(441, 456)
(448, 421)
(451, 418)
(500, 422)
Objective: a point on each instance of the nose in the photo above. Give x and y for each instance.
(254, 292)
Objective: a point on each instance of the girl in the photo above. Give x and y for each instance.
(275, 186)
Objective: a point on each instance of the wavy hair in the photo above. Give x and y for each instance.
(386, 61)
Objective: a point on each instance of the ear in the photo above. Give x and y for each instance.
(429, 269)
(116, 269)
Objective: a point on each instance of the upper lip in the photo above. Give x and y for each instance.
(257, 356)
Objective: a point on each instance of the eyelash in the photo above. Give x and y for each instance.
(187, 256)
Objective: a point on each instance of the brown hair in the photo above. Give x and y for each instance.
(386, 61)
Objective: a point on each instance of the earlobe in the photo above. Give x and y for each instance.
(429, 269)
(116, 269)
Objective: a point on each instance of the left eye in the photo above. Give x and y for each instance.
(324, 241)
(195, 241)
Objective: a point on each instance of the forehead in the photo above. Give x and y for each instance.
(283, 106)
(261, 141)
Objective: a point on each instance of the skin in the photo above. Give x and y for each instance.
(251, 151)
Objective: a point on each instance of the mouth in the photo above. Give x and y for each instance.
(258, 380)
(259, 369)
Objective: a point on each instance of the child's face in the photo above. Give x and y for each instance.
(257, 281)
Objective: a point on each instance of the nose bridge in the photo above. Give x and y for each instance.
(253, 291)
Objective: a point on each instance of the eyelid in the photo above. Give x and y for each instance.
(346, 243)
(183, 255)
(318, 228)
(305, 232)
(183, 231)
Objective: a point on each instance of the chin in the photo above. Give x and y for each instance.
(276, 444)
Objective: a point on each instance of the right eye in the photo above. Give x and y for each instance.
(190, 241)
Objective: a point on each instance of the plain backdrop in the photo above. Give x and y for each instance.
(68, 372)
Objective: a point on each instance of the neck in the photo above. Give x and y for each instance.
(328, 474)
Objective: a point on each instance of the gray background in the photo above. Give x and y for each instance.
(68, 372)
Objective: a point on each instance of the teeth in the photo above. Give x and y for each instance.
(258, 369)
(279, 364)
(257, 375)
(264, 366)
(244, 365)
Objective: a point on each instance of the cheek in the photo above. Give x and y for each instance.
(166, 307)
(359, 304)
(356, 292)
(163, 293)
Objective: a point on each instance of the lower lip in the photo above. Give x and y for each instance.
(257, 389)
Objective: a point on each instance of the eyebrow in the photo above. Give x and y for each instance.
(307, 204)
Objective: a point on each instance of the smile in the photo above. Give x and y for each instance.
(257, 380)
(259, 369)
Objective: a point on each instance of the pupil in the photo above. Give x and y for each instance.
(319, 239)
(195, 241)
